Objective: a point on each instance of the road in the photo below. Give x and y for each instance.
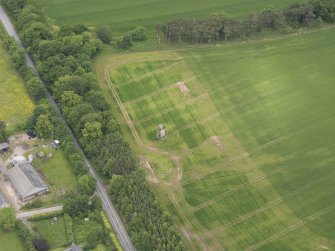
(101, 191)
(24, 215)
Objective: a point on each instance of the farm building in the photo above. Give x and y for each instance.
(26, 181)
(3, 201)
(4, 147)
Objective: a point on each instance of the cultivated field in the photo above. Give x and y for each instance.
(15, 104)
(248, 161)
(127, 14)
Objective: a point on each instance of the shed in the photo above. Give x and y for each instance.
(26, 181)
(3, 201)
(73, 248)
(4, 147)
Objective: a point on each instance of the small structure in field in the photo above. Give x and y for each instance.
(26, 181)
(3, 201)
(161, 133)
(4, 147)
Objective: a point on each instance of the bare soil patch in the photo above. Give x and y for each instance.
(183, 88)
(151, 176)
(216, 141)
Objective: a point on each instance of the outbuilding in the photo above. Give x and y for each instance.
(3, 201)
(25, 180)
(73, 248)
(4, 147)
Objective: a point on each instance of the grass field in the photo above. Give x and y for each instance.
(53, 232)
(16, 106)
(58, 172)
(9, 241)
(127, 14)
(248, 162)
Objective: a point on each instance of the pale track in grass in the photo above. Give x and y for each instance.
(47, 18)
(246, 184)
(140, 143)
(193, 150)
(291, 228)
(190, 224)
(149, 74)
(211, 116)
(271, 204)
(223, 111)
(263, 146)
(156, 92)
(189, 101)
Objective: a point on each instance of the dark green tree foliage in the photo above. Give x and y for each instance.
(7, 218)
(125, 43)
(25, 236)
(150, 227)
(41, 245)
(87, 184)
(104, 33)
(300, 14)
(3, 133)
(96, 99)
(324, 9)
(44, 126)
(14, 5)
(139, 34)
(94, 234)
(219, 27)
(63, 60)
(115, 156)
(77, 205)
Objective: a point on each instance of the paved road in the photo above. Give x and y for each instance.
(24, 215)
(101, 191)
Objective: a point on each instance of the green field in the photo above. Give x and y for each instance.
(58, 172)
(16, 106)
(9, 241)
(248, 162)
(127, 14)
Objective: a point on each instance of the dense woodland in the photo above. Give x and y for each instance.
(63, 59)
(220, 27)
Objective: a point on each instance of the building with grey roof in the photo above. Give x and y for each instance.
(26, 181)
(4, 147)
(73, 248)
(3, 201)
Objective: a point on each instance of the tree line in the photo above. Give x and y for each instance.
(8, 222)
(64, 61)
(220, 27)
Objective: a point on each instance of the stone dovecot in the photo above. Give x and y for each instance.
(161, 131)
(26, 181)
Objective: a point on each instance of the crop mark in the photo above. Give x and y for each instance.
(151, 73)
(190, 101)
(291, 228)
(271, 204)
